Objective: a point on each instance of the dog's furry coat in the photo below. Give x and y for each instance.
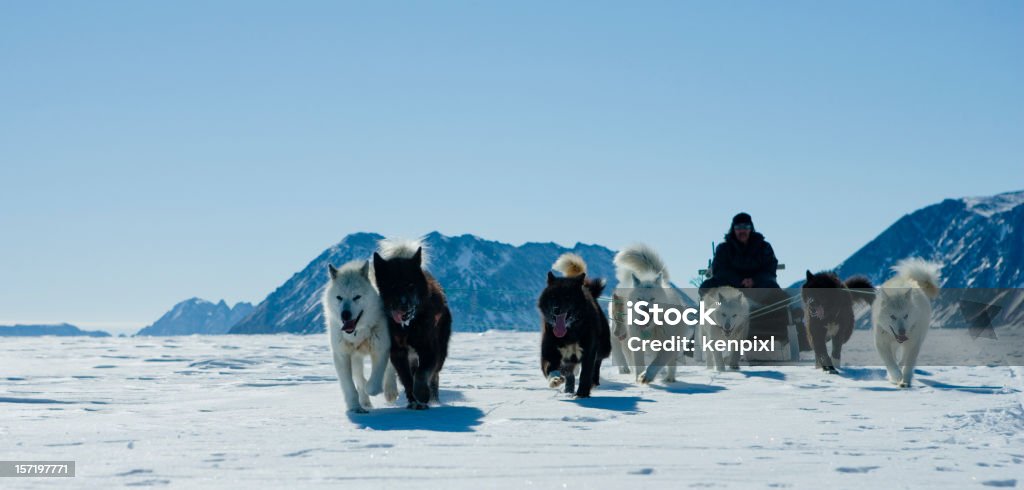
(356, 328)
(642, 276)
(732, 322)
(828, 313)
(574, 330)
(418, 318)
(902, 314)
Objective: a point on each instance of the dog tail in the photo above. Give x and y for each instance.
(861, 288)
(924, 273)
(639, 259)
(596, 287)
(402, 248)
(570, 264)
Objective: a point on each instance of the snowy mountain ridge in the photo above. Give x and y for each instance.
(977, 239)
(489, 284)
(198, 316)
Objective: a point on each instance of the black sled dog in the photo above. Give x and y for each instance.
(419, 321)
(575, 331)
(828, 313)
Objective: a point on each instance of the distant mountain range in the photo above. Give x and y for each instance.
(198, 316)
(978, 240)
(489, 284)
(59, 330)
(494, 285)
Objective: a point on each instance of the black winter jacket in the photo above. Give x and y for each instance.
(735, 262)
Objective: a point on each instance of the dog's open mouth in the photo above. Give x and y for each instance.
(350, 326)
(560, 328)
(403, 318)
(900, 338)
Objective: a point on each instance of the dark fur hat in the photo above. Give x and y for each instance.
(742, 218)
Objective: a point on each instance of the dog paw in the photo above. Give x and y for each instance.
(555, 379)
(830, 370)
(623, 369)
(580, 394)
(904, 384)
(358, 410)
(670, 379)
(374, 390)
(417, 406)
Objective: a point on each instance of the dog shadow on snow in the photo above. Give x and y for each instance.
(439, 418)
(880, 375)
(613, 403)
(683, 388)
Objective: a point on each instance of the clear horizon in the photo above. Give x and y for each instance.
(156, 152)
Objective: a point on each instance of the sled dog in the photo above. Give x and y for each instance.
(574, 330)
(828, 313)
(356, 328)
(732, 322)
(418, 318)
(901, 316)
(642, 277)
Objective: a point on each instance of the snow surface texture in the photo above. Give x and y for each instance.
(267, 412)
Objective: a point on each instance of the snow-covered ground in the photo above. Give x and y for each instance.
(266, 412)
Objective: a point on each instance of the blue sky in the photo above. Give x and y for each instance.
(154, 151)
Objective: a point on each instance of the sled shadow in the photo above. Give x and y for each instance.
(775, 375)
(613, 403)
(688, 388)
(436, 419)
(978, 390)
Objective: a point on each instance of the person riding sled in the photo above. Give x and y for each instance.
(746, 261)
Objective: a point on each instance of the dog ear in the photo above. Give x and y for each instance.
(634, 281)
(332, 271)
(418, 256)
(379, 264)
(551, 278)
(582, 279)
(810, 276)
(660, 279)
(365, 270)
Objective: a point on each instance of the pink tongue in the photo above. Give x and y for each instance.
(396, 316)
(560, 325)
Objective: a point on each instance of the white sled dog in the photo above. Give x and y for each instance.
(356, 327)
(642, 277)
(901, 316)
(732, 322)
